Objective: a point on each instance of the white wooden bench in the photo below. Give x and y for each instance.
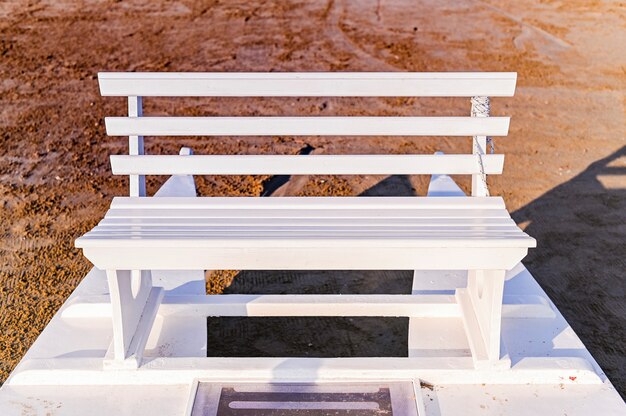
(474, 234)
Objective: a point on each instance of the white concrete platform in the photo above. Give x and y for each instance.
(551, 372)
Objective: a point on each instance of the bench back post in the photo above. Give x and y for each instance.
(480, 108)
(135, 147)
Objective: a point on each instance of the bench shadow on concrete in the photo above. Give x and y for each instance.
(314, 336)
(580, 259)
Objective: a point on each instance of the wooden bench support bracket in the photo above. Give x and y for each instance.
(135, 303)
(481, 311)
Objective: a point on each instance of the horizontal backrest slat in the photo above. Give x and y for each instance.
(316, 84)
(305, 165)
(302, 84)
(307, 126)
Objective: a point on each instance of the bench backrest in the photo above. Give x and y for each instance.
(479, 86)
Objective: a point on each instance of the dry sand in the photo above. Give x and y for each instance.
(565, 172)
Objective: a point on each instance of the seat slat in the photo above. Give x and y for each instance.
(303, 213)
(307, 126)
(305, 165)
(299, 84)
(310, 202)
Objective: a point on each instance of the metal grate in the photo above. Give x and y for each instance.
(282, 399)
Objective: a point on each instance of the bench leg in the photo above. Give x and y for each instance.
(481, 308)
(134, 305)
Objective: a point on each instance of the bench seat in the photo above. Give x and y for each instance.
(320, 233)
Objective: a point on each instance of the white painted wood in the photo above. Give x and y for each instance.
(135, 352)
(288, 305)
(448, 233)
(472, 329)
(204, 213)
(303, 232)
(135, 147)
(481, 305)
(307, 126)
(129, 291)
(303, 165)
(313, 305)
(419, 236)
(244, 221)
(485, 289)
(303, 255)
(460, 204)
(424, 306)
(302, 84)
(343, 224)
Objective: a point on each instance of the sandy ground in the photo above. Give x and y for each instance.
(565, 173)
